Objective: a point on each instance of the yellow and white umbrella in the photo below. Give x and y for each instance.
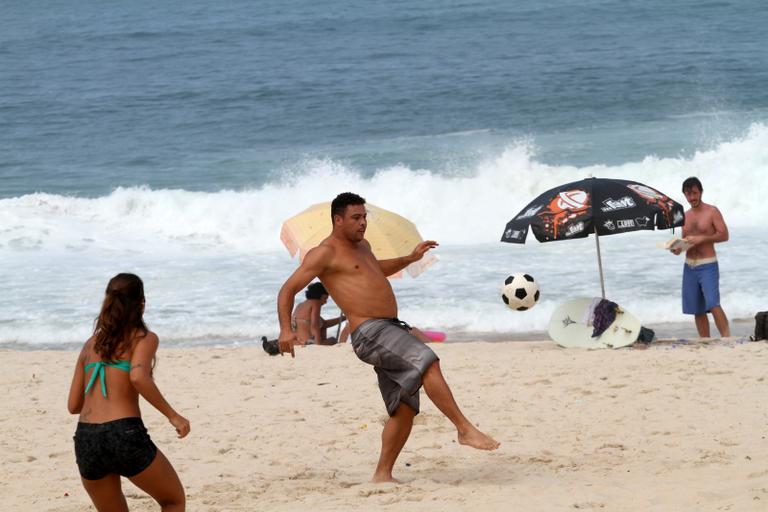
(389, 234)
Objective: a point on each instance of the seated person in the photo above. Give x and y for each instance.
(307, 332)
(309, 326)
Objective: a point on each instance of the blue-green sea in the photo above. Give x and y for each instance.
(172, 139)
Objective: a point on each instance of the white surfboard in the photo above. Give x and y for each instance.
(567, 329)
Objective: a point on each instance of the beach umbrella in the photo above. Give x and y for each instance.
(389, 234)
(602, 206)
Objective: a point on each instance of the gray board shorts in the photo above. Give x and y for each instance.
(398, 358)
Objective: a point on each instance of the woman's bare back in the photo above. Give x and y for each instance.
(122, 400)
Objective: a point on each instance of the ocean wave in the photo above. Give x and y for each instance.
(471, 207)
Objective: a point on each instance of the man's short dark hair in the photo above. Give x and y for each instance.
(315, 291)
(339, 205)
(691, 182)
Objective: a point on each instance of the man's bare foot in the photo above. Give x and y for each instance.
(384, 479)
(477, 439)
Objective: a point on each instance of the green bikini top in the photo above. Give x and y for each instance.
(98, 370)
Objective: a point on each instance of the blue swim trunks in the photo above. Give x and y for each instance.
(701, 288)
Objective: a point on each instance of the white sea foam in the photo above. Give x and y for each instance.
(467, 209)
(213, 262)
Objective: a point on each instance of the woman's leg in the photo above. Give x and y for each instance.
(161, 482)
(106, 494)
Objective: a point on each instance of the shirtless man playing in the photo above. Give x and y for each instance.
(358, 283)
(704, 226)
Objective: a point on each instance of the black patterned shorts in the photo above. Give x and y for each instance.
(122, 446)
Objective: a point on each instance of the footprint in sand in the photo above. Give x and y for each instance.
(758, 474)
(387, 488)
(137, 496)
(588, 505)
(718, 372)
(540, 381)
(613, 446)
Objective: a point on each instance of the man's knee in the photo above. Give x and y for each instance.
(175, 501)
(433, 368)
(404, 411)
(717, 310)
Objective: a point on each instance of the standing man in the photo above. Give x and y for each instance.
(704, 226)
(358, 283)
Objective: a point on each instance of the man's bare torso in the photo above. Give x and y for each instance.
(356, 282)
(700, 221)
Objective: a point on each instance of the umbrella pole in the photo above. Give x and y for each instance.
(599, 262)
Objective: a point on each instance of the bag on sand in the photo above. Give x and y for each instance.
(270, 346)
(646, 335)
(761, 326)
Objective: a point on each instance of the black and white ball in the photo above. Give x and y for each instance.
(520, 291)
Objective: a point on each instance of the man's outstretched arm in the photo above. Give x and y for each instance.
(394, 265)
(315, 262)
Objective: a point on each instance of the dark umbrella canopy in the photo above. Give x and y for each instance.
(594, 205)
(602, 206)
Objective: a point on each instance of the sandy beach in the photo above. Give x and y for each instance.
(672, 427)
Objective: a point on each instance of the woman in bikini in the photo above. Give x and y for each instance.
(113, 369)
(306, 321)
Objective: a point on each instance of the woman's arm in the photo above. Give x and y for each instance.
(141, 379)
(334, 321)
(77, 388)
(316, 322)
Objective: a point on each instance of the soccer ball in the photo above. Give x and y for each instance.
(520, 291)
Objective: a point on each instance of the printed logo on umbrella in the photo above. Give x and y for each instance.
(647, 192)
(654, 198)
(566, 207)
(572, 200)
(530, 212)
(513, 234)
(611, 205)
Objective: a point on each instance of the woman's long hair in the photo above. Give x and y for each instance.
(121, 315)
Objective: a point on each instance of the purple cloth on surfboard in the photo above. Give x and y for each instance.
(605, 314)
